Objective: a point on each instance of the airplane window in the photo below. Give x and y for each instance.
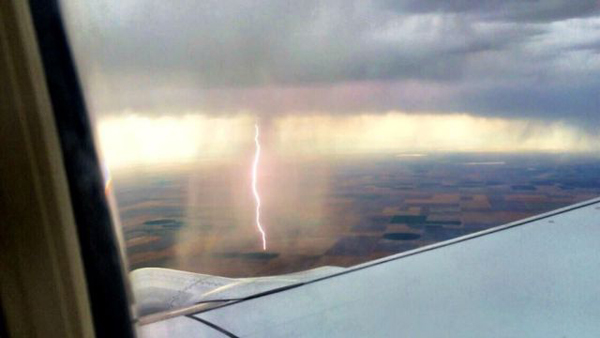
(263, 138)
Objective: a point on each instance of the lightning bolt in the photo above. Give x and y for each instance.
(255, 190)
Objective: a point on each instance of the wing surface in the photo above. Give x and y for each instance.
(536, 278)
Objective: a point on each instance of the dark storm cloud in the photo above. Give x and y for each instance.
(508, 10)
(231, 43)
(482, 57)
(578, 102)
(592, 46)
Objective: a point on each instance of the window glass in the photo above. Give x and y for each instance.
(256, 138)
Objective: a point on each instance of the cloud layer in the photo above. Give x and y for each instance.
(538, 59)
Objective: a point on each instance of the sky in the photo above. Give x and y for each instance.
(519, 60)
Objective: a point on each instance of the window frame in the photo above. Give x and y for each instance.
(104, 267)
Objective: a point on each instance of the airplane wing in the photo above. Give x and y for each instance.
(539, 277)
(158, 289)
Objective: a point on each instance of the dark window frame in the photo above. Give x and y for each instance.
(101, 256)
